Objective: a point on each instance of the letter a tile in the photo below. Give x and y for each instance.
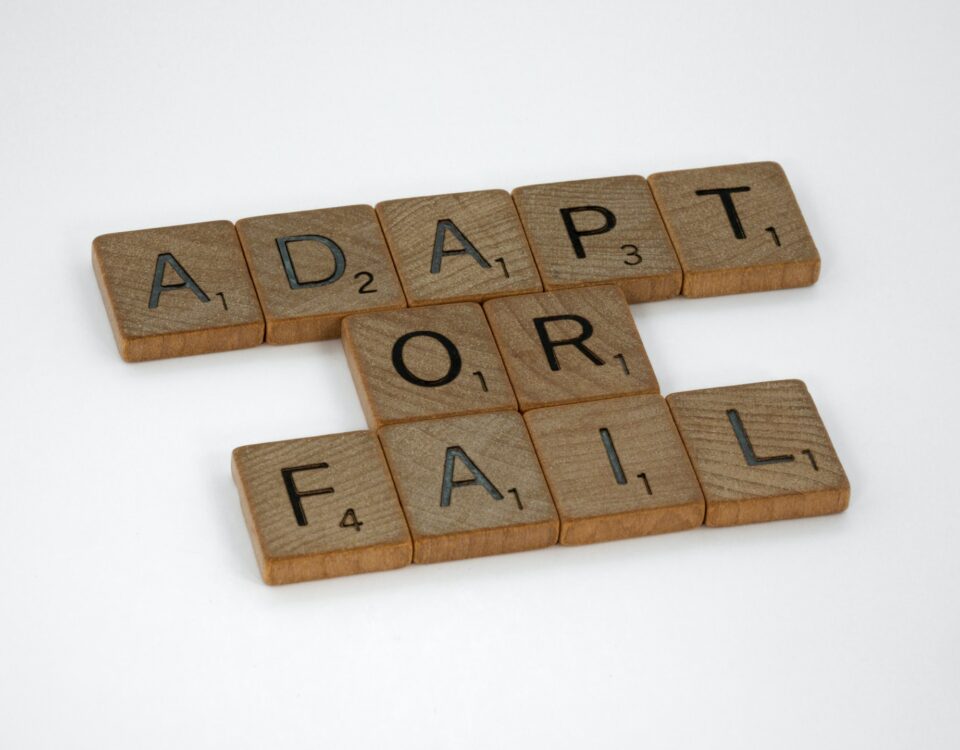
(571, 345)
(458, 248)
(178, 290)
(470, 486)
(312, 268)
(427, 362)
(761, 452)
(736, 229)
(603, 231)
(321, 507)
(616, 468)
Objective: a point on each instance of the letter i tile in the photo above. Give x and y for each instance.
(616, 468)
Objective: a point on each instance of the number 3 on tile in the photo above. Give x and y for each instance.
(633, 255)
(350, 520)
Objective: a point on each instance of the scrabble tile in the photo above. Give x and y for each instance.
(761, 452)
(603, 231)
(470, 486)
(178, 290)
(736, 229)
(320, 507)
(616, 469)
(571, 345)
(459, 247)
(311, 268)
(427, 362)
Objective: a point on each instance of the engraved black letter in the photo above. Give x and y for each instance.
(612, 456)
(339, 262)
(444, 226)
(453, 453)
(728, 206)
(747, 447)
(164, 260)
(400, 366)
(609, 222)
(295, 495)
(550, 345)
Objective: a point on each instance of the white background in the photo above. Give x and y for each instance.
(131, 609)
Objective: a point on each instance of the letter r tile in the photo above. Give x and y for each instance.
(470, 486)
(570, 345)
(432, 361)
(175, 291)
(458, 248)
(321, 507)
(761, 452)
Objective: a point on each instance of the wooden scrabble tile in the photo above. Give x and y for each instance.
(736, 229)
(616, 469)
(470, 486)
(427, 362)
(603, 231)
(571, 345)
(458, 247)
(311, 268)
(321, 507)
(178, 290)
(761, 452)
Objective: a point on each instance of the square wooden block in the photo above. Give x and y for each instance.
(321, 507)
(616, 469)
(458, 247)
(761, 452)
(571, 345)
(602, 231)
(470, 486)
(736, 229)
(428, 362)
(175, 291)
(312, 268)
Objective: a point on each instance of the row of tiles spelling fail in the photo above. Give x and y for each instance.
(294, 277)
(485, 484)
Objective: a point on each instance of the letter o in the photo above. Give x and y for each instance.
(456, 363)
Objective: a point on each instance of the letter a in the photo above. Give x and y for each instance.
(158, 288)
(439, 242)
(449, 484)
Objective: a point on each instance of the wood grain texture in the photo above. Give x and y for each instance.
(388, 397)
(616, 469)
(761, 452)
(486, 219)
(758, 242)
(574, 375)
(353, 274)
(630, 247)
(357, 527)
(154, 319)
(513, 512)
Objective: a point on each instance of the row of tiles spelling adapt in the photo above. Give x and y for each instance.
(293, 277)
(485, 484)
